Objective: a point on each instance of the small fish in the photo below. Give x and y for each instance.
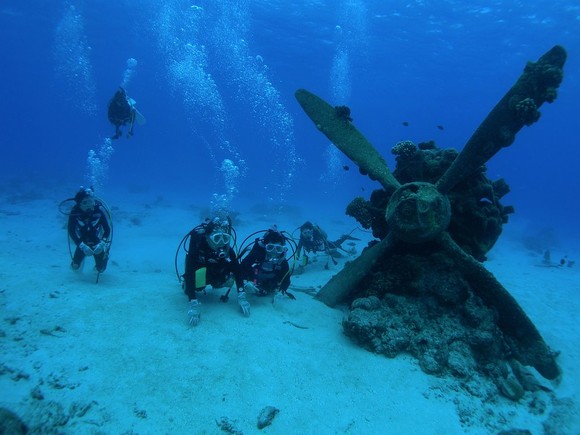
(405, 123)
(440, 127)
(346, 167)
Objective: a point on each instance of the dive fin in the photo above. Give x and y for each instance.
(139, 117)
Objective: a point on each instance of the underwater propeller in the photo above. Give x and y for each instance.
(420, 212)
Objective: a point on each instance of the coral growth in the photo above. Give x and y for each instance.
(477, 214)
(343, 112)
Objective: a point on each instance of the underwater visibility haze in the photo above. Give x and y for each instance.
(215, 81)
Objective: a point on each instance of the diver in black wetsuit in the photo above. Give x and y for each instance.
(89, 227)
(266, 267)
(122, 112)
(314, 239)
(211, 260)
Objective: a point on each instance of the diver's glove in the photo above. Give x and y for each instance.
(250, 287)
(100, 248)
(244, 304)
(194, 313)
(86, 250)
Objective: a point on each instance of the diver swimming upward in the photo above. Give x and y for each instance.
(122, 112)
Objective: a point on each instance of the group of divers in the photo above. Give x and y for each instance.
(261, 266)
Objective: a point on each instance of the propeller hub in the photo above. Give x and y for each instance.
(417, 212)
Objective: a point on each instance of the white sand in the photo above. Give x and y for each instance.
(122, 353)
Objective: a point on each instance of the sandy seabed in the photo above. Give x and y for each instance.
(119, 357)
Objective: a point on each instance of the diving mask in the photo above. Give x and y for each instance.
(88, 203)
(272, 248)
(220, 239)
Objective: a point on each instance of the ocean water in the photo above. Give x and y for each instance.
(215, 81)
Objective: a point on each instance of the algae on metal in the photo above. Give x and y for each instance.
(518, 107)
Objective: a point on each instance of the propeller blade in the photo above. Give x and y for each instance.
(524, 339)
(344, 282)
(347, 138)
(537, 85)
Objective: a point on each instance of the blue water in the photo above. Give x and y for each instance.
(215, 80)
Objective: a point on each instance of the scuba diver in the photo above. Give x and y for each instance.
(265, 267)
(314, 239)
(122, 112)
(210, 260)
(90, 227)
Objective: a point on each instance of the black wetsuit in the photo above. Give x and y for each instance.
(220, 265)
(267, 276)
(121, 113)
(320, 243)
(90, 227)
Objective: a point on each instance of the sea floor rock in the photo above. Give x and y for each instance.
(266, 416)
(10, 423)
(443, 340)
